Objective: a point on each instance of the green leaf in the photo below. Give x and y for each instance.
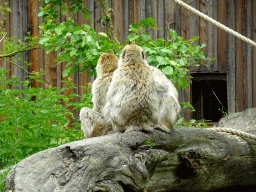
(145, 36)
(194, 38)
(44, 40)
(174, 63)
(101, 34)
(73, 70)
(183, 61)
(150, 21)
(167, 70)
(73, 52)
(80, 32)
(84, 68)
(203, 45)
(133, 36)
(66, 71)
(182, 48)
(133, 26)
(41, 14)
(86, 16)
(86, 27)
(183, 83)
(161, 60)
(166, 51)
(59, 29)
(143, 23)
(173, 33)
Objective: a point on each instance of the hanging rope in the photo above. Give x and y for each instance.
(223, 27)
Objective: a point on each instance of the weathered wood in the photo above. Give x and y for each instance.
(249, 52)
(82, 77)
(231, 59)
(126, 18)
(19, 28)
(123, 162)
(214, 36)
(190, 24)
(97, 17)
(142, 9)
(169, 17)
(203, 31)
(91, 16)
(241, 57)
(34, 22)
(254, 54)
(222, 37)
(118, 16)
(134, 11)
(6, 65)
(160, 18)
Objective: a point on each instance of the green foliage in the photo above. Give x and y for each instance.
(173, 56)
(34, 119)
(2, 178)
(3, 10)
(192, 123)
(81, 44)
(150, 143)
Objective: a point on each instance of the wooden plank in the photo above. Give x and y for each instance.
(91, 8)
(178, 19)
(149, 14)
(189, 28)
(41, 52)
(190, 24)
(83, 79)
(154, 8)
(6, 65)
(161, 18)
(222, 37)
(231, 58)
(214, 36)
(19, 28)
(142, 9)
(118, 19)
(134, 11)
(170, 21)
(203, 32)
(254, 54)
(34, 22)
(97, 17)
(249, 52)
(209, 29)
(241, 56)
(126, 19)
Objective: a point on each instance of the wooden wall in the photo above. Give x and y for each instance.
(233, 57)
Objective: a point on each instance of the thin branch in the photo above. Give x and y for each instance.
(16, 52)
(15, 65)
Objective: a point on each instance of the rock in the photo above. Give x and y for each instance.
(187, 159)
(244, 121)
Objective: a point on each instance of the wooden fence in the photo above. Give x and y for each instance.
(234, 58)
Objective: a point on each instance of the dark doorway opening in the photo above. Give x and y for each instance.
(209, 96)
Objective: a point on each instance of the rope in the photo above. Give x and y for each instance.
(223, 27)
(234, 132)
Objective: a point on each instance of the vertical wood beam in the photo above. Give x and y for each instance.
(231, 58)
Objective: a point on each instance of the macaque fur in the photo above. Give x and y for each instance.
(93, 122)
(133, 98)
